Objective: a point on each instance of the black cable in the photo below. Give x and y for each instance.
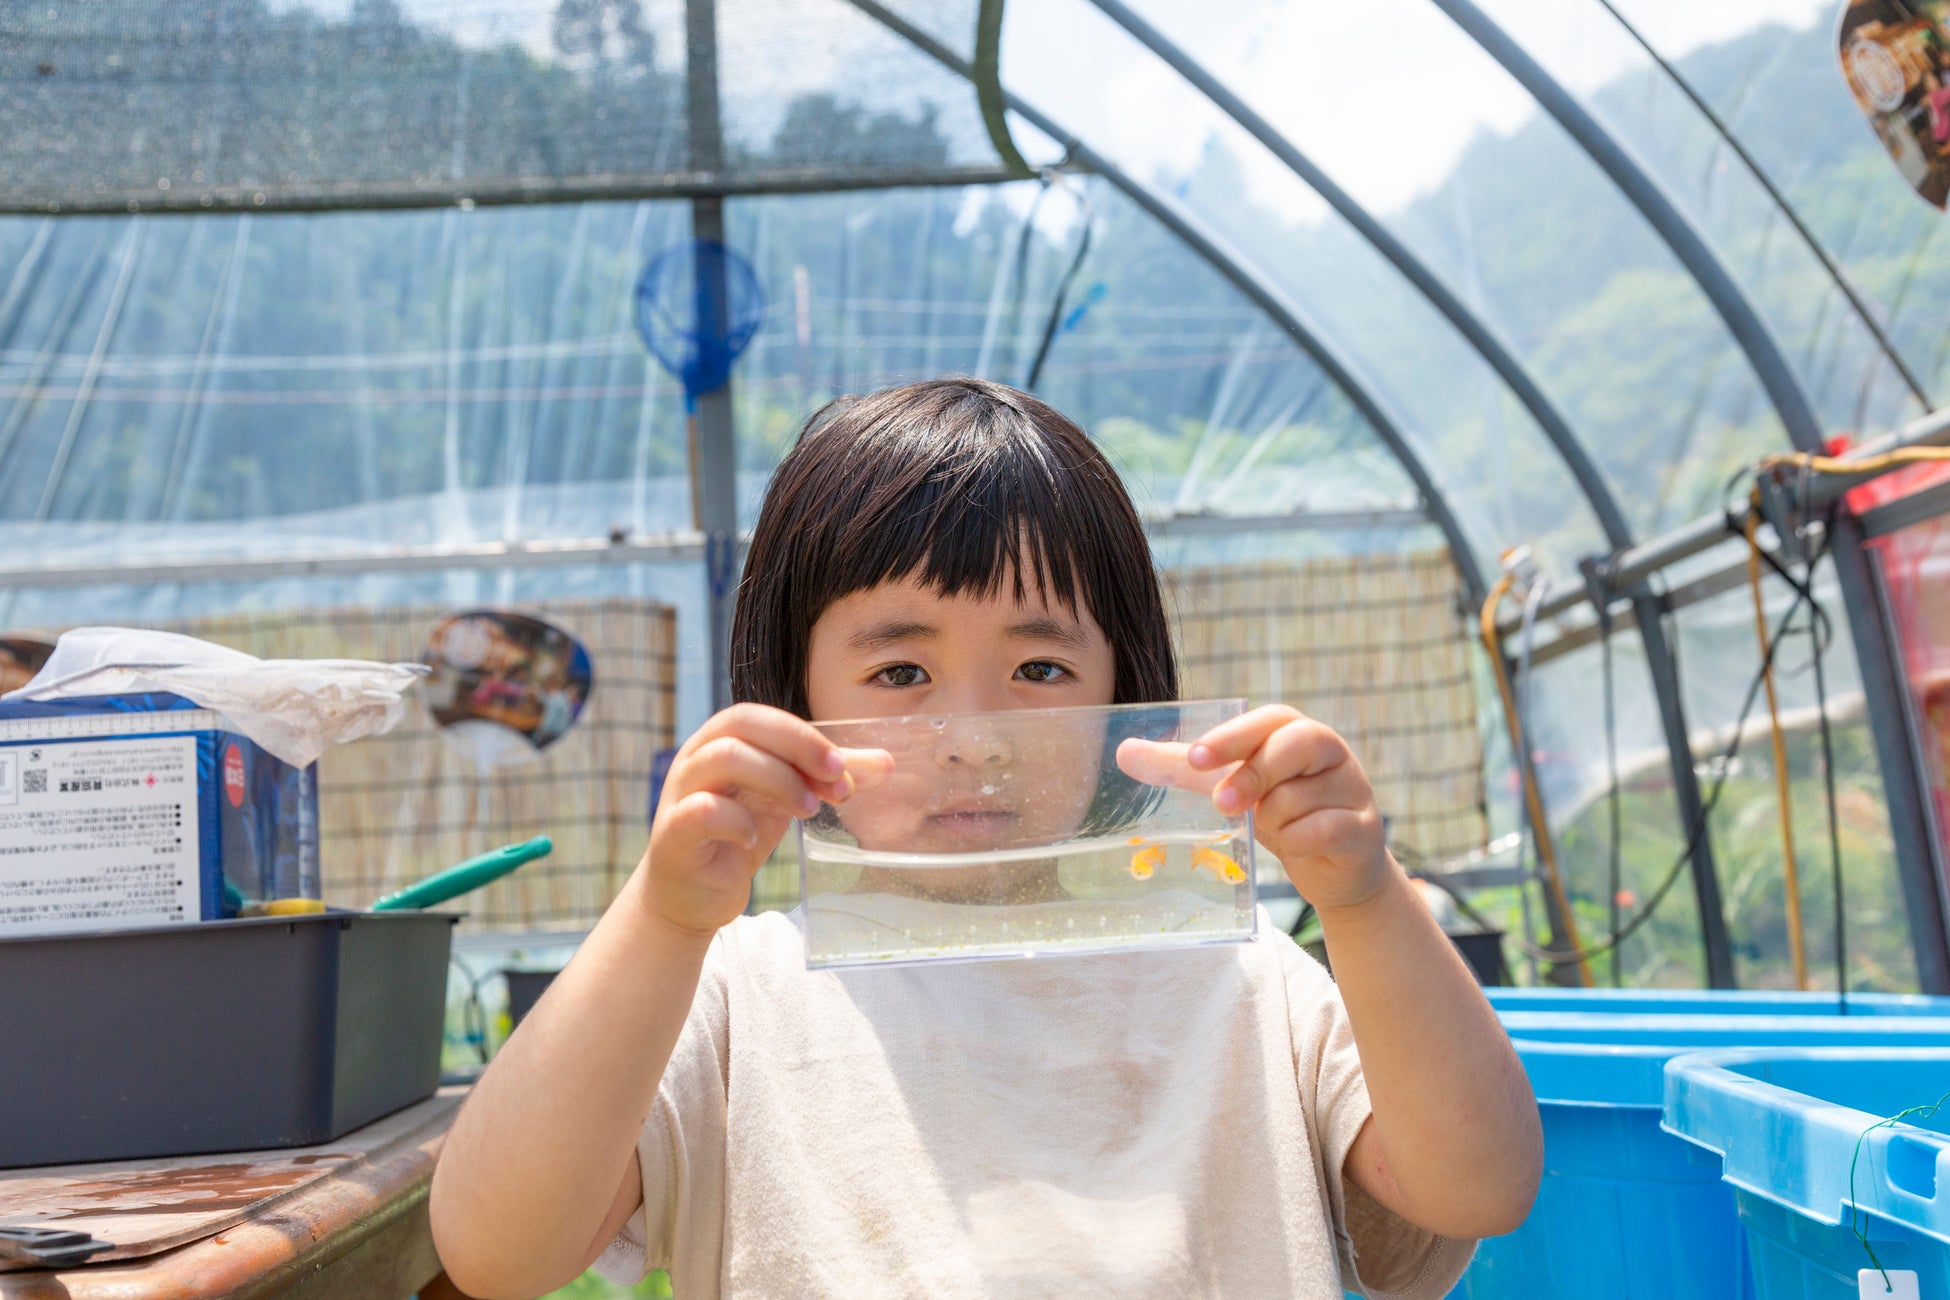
(1616, 872)
(1803, 595)
(1821, 632)
(1737, 528)
(1019, 271)
(1057, 306)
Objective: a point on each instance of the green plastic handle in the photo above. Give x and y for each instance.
(466, 876)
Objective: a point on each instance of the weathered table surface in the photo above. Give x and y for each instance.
(345, 1219)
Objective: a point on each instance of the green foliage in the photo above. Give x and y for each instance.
(1748, 857)
(593, 1286)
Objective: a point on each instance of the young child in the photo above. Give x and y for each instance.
(1210, 1121)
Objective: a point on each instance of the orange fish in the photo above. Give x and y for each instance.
(1146, 861)
(1221, 866)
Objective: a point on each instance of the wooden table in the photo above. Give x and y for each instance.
(347, 1219)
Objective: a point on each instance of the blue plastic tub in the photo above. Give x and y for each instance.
(1788, 1126)
(1625, 1209)
(1715, 1002)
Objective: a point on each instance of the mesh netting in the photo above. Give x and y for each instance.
(396, 808)
(141, 105)
(1373, 646)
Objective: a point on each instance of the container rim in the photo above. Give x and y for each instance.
(1237, 700)
(228, 923)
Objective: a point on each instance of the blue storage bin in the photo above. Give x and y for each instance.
(1787, 1125)
(1626, 1209)
(1715, 1002)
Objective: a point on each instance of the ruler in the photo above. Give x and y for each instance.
(98, 726)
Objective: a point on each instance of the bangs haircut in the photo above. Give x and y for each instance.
(965, 485)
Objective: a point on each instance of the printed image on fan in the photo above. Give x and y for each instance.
(512, 670)
(20, 659)
(1896, 59)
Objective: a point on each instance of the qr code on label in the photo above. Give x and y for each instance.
(34, 780)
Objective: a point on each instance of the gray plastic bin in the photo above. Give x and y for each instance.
(218, 1036)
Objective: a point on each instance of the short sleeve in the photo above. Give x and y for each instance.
(1382, 1255)
(682, 1149)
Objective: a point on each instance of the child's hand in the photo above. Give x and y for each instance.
(733, 789)
(1312, 804)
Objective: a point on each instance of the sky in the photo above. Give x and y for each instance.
(1382, 94)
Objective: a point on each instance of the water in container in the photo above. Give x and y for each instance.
(1026, 832)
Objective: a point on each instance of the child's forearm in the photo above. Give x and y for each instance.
(1459, 1143)
(535, 1159)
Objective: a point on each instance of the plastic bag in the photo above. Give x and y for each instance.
(295, 708)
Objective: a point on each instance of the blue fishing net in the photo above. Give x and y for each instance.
(698, 304)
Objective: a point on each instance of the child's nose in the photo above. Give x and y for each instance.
(974, 747)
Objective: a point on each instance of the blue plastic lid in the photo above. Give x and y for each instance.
(1715, 1002)
(1788, 1124)
(1605, 1058)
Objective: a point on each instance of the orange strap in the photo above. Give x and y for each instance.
(1546, 850)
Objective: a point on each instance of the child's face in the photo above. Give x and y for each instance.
(902, 649)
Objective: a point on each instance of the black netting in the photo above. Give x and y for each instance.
(195, 104)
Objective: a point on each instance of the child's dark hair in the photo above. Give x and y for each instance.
(964, 483)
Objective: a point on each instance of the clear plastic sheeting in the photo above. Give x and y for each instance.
(1831, 341)
(1771, 75)
(1523, 228)
(462, 377)
(1571, 747)
(1199, 400)
(1481, 447)
(183, 105)
(1720, 655)
(166, 373)
(452, 379)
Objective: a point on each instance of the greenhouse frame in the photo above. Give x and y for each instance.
(333, 306)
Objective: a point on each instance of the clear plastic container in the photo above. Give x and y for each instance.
(1023, 833)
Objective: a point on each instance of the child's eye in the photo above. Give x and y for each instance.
(1042, 670)
(900, 675)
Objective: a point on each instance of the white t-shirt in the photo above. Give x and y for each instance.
(1137, 1124)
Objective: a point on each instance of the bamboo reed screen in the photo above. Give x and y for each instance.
(398, 807)
(1374, 646)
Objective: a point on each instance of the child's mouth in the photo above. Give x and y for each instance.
(977, 827)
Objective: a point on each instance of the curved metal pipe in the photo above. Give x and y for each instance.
(1658, 651)
(1484, 340)
(1282, 311)
(1897, 745)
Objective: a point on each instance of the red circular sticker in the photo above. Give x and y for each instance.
(233, 776)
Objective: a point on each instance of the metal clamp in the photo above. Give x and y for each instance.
(49, 1247)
